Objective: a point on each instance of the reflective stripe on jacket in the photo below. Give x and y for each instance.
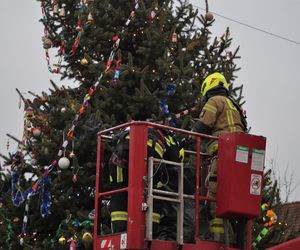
(220, 114)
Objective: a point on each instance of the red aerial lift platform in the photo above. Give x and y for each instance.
(243, 156)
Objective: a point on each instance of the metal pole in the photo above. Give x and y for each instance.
(97, 214)
(249, 235)
(198, 159)
(180, 212)
(149, 218)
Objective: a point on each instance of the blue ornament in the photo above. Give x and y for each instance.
(117, 74)
(164, 107)
(46, 197)
(172, 122)
(171, 89)
(76, 223)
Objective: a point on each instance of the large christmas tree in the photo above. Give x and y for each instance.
(133, 60)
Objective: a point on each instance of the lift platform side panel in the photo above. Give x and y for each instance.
(240, 175)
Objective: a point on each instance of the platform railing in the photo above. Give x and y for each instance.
(138, 153)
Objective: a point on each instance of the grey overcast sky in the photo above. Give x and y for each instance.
(269, 69)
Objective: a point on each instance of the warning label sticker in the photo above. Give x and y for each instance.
(255, 184)
(123, 241)
(242, 154)
(258, 159)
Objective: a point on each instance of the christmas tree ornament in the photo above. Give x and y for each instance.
(164, 107)
(28, 113)
(174, 37)
(7, 144)
(132, 14)
(79, 25)
(63, 163)
(209, 16)
(117, 72)
(36, 132)
(62, 12)
(91, 215)
(74, 178)
(73, 244)
(55, 7)
(72, 154)
(90, 19)
(84, 61)
(87, 237)
(16, 220)
(33, 162)
(62, 240)
(47, 43)
(43, 98)
(171, 89)
(153, 13)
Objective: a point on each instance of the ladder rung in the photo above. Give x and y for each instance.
(158, 191)
(157, 197)
(168, 162)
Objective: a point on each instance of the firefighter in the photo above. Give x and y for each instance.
(169, 177)
(118, 168)
(220, 114)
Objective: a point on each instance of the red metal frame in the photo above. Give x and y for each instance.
(134, 238)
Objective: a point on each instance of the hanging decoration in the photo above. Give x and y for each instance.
(7, 143)
(25, 217)
(55, 7)
(117, 72)
(62, 240)
(209, 16)
(84, 61)
(153, 14)
(63, 163)
(18, 195)
(36, 132)
(174, 37)
(77, 39)
(171, 89)
(268, 219)
(90, 19)
(47, 42)
(46, 196)
(73, 244)
(62, 12)
(173, 118)
(87, 237)
(164, 107)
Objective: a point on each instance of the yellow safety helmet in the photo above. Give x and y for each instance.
(212, 81)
